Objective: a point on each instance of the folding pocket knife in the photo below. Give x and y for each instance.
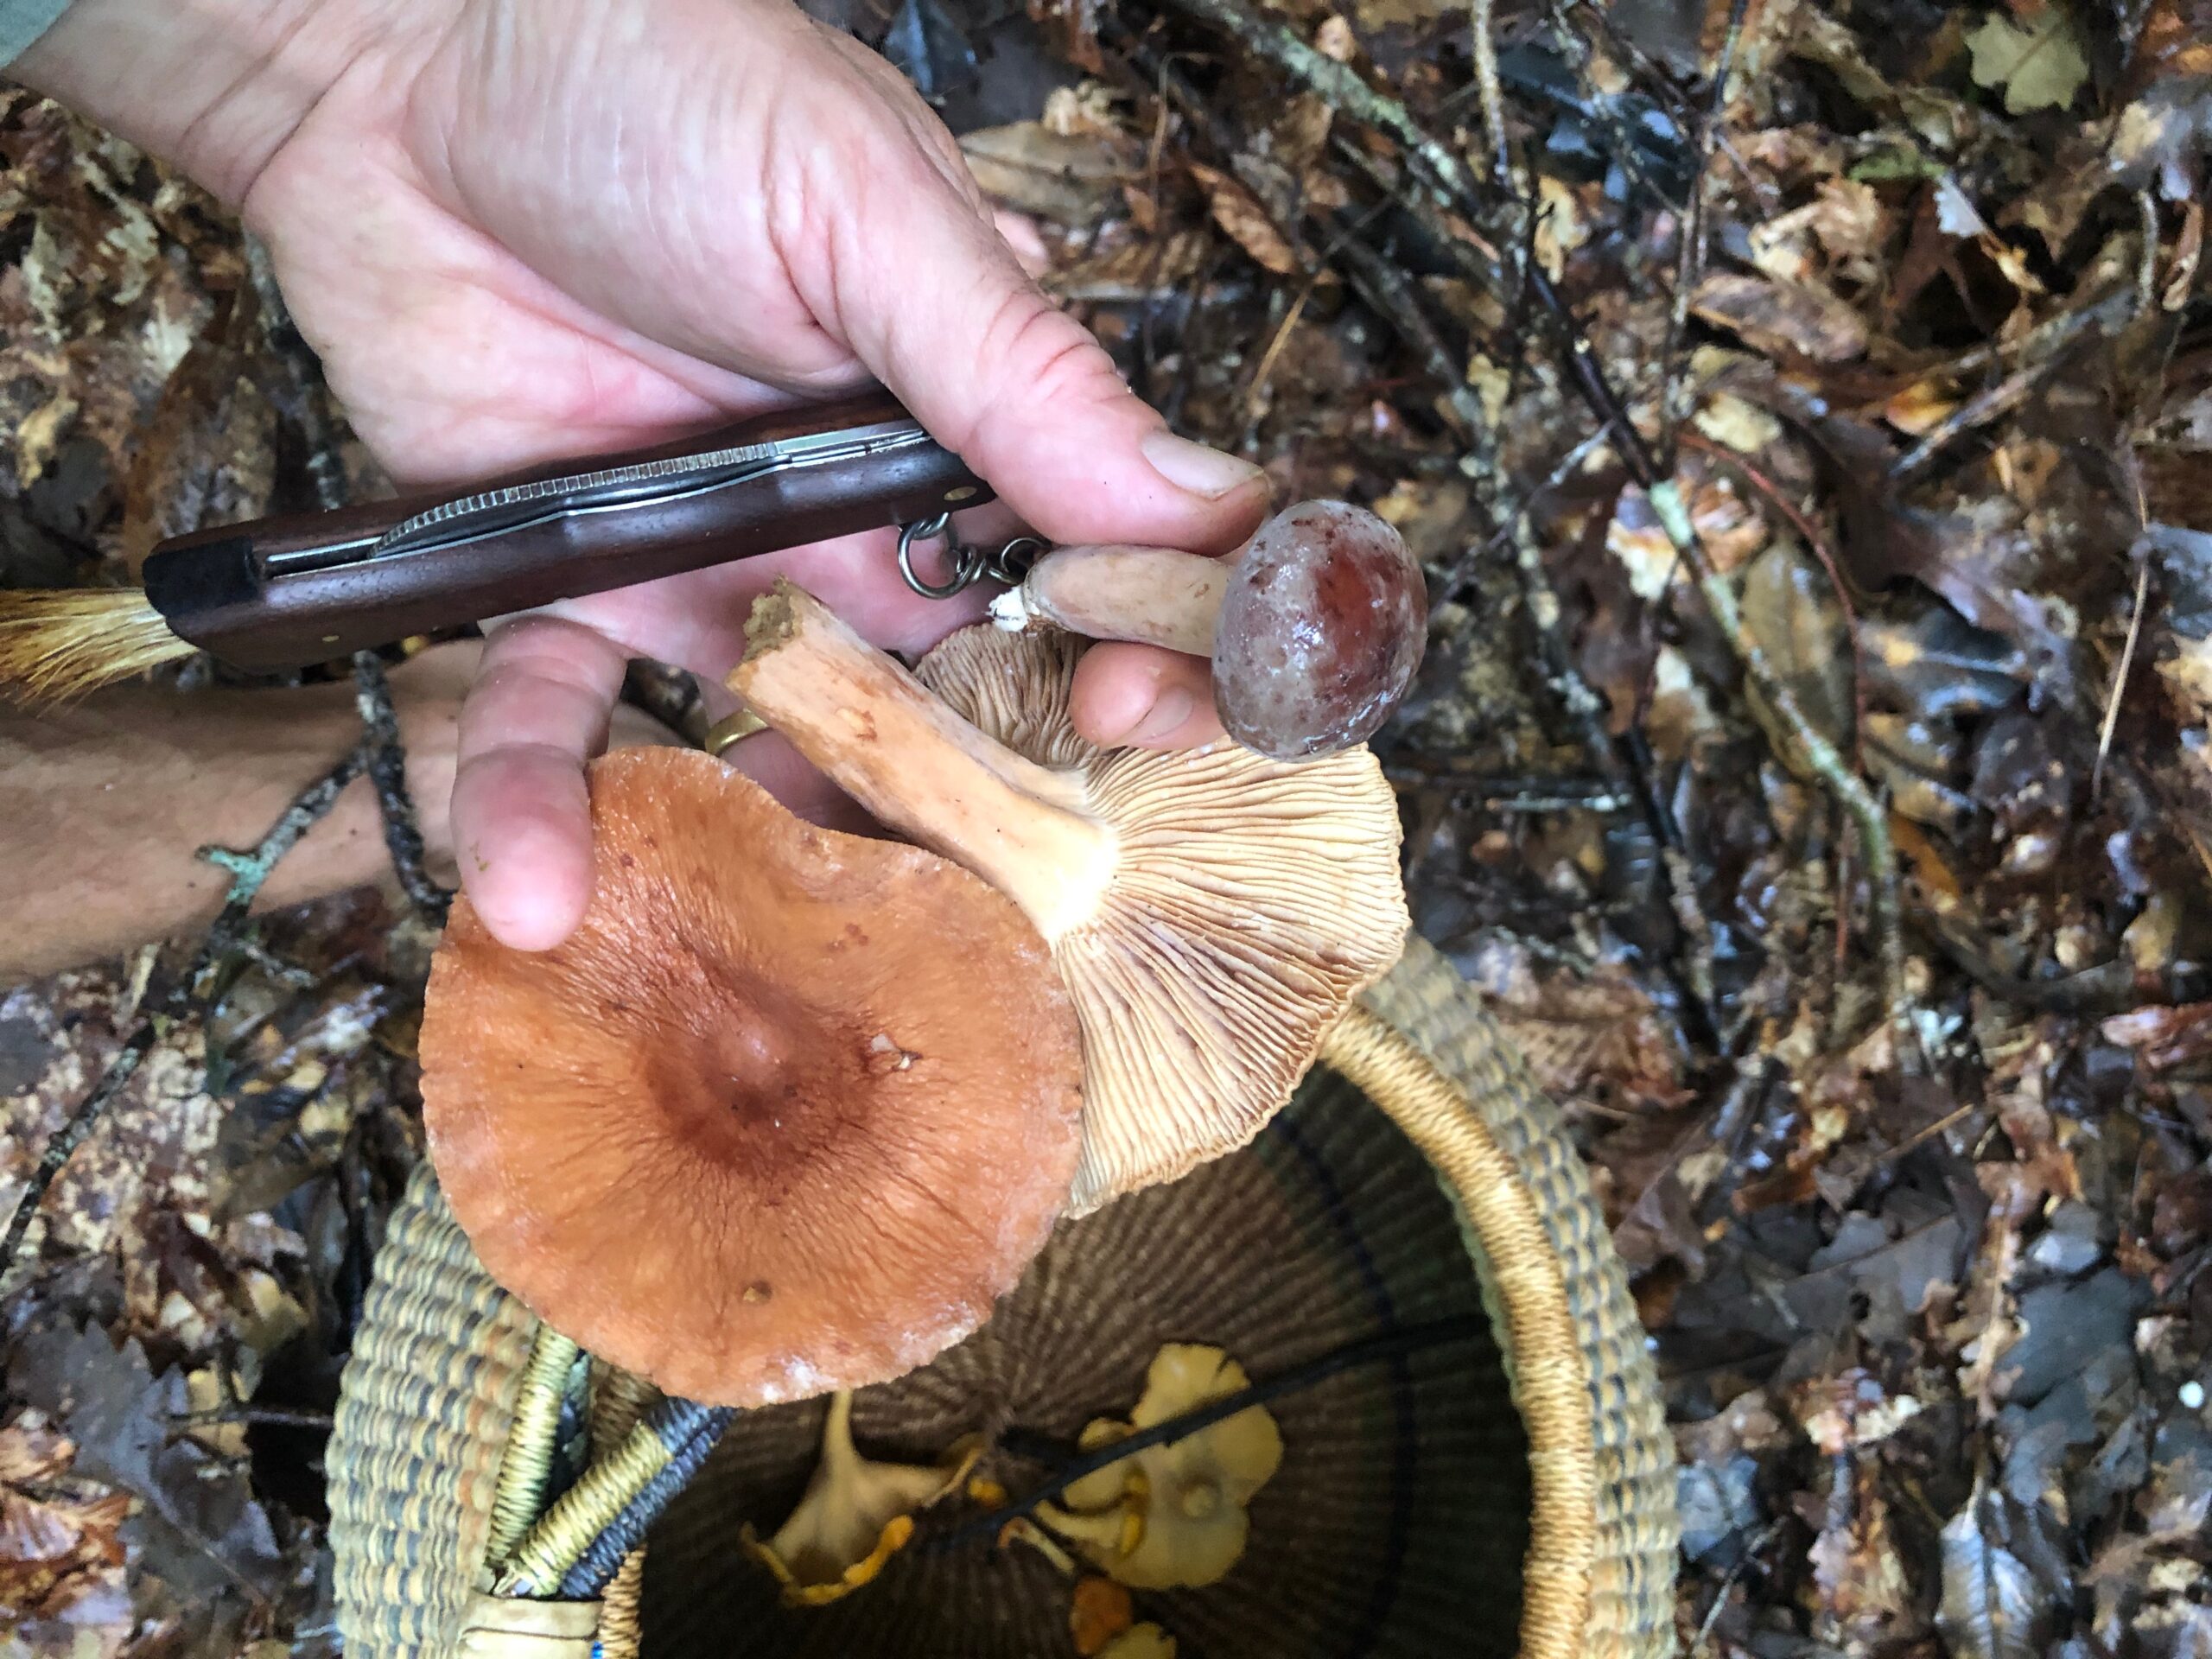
(277, 593)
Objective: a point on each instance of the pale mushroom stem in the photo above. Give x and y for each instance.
(1153, 595)
(881, 736)
(841, 1459)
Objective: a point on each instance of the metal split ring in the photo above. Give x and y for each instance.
(969, 565)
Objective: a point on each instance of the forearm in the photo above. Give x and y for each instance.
(103, 804)
(211, 86)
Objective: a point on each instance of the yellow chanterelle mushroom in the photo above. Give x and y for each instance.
(855, 1515)
(1172, 1516)
(1142, 1642)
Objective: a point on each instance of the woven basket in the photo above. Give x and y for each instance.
(1469, 1497)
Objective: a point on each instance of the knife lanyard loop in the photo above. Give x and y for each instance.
(969, 565)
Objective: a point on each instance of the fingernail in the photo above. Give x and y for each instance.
(1194, 468)
(1165, 718)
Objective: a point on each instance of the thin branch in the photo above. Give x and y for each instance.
(1493, 100)
(2060, 335)
(1689, 270)
(253, 1417)
(1450, 184)
(1817, 541)
(2119, 682)
(1867, 814)
(403, 838)
(387, 763)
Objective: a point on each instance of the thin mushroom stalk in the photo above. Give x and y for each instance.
(1152, 596)
(1315, 626)
(1211, 911)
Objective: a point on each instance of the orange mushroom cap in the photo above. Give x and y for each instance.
(788, 1113)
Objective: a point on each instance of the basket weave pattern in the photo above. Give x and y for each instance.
(422, 1422)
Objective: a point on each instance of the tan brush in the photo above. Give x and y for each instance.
(282, 593)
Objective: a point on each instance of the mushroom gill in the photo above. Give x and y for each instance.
(1212, 910)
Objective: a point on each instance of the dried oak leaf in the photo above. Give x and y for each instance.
(1863, 1594)
(1071, 178)
(59, 1546)
(198, 1530)
(205, 456)
(2040, 67)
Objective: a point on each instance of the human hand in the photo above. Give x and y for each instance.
(521, 229)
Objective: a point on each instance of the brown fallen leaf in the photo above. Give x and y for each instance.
(1071, 178)
(1784, 320)
(1237, 210)
(61, 1546)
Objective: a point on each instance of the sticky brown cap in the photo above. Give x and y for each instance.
(788, 1113)
(1321, 630)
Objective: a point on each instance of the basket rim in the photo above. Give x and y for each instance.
(1550, 1369)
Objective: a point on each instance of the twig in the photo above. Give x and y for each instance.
(2119, 682)
(403, 839)
(1493, 100)
(1256, 394)
(1814, 538)
(1689, 270)
(2146, 268)
(1700, 1643)
(1821, 755)
(1390, 1345)
(1518, 794)
(1598, 109)
(1449, 182)
(1920, 1137)
(255, 1416)
(248, 872)
(2063, 334)
(1337, 85)
(2110, 988)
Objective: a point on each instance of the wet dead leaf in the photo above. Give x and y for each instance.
(1790, 608)
(1133, 271)
(198, 1529)
(1993, 1605)
(1238, 212)
(1784, 320)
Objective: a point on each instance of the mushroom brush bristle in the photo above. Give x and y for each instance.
(57, 645)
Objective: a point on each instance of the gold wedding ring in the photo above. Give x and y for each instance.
(735, 729)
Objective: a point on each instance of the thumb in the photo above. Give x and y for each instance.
(933, 302)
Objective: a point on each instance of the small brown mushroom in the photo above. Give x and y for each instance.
(1211, 910)
(788, 1113)
(1315, 626)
